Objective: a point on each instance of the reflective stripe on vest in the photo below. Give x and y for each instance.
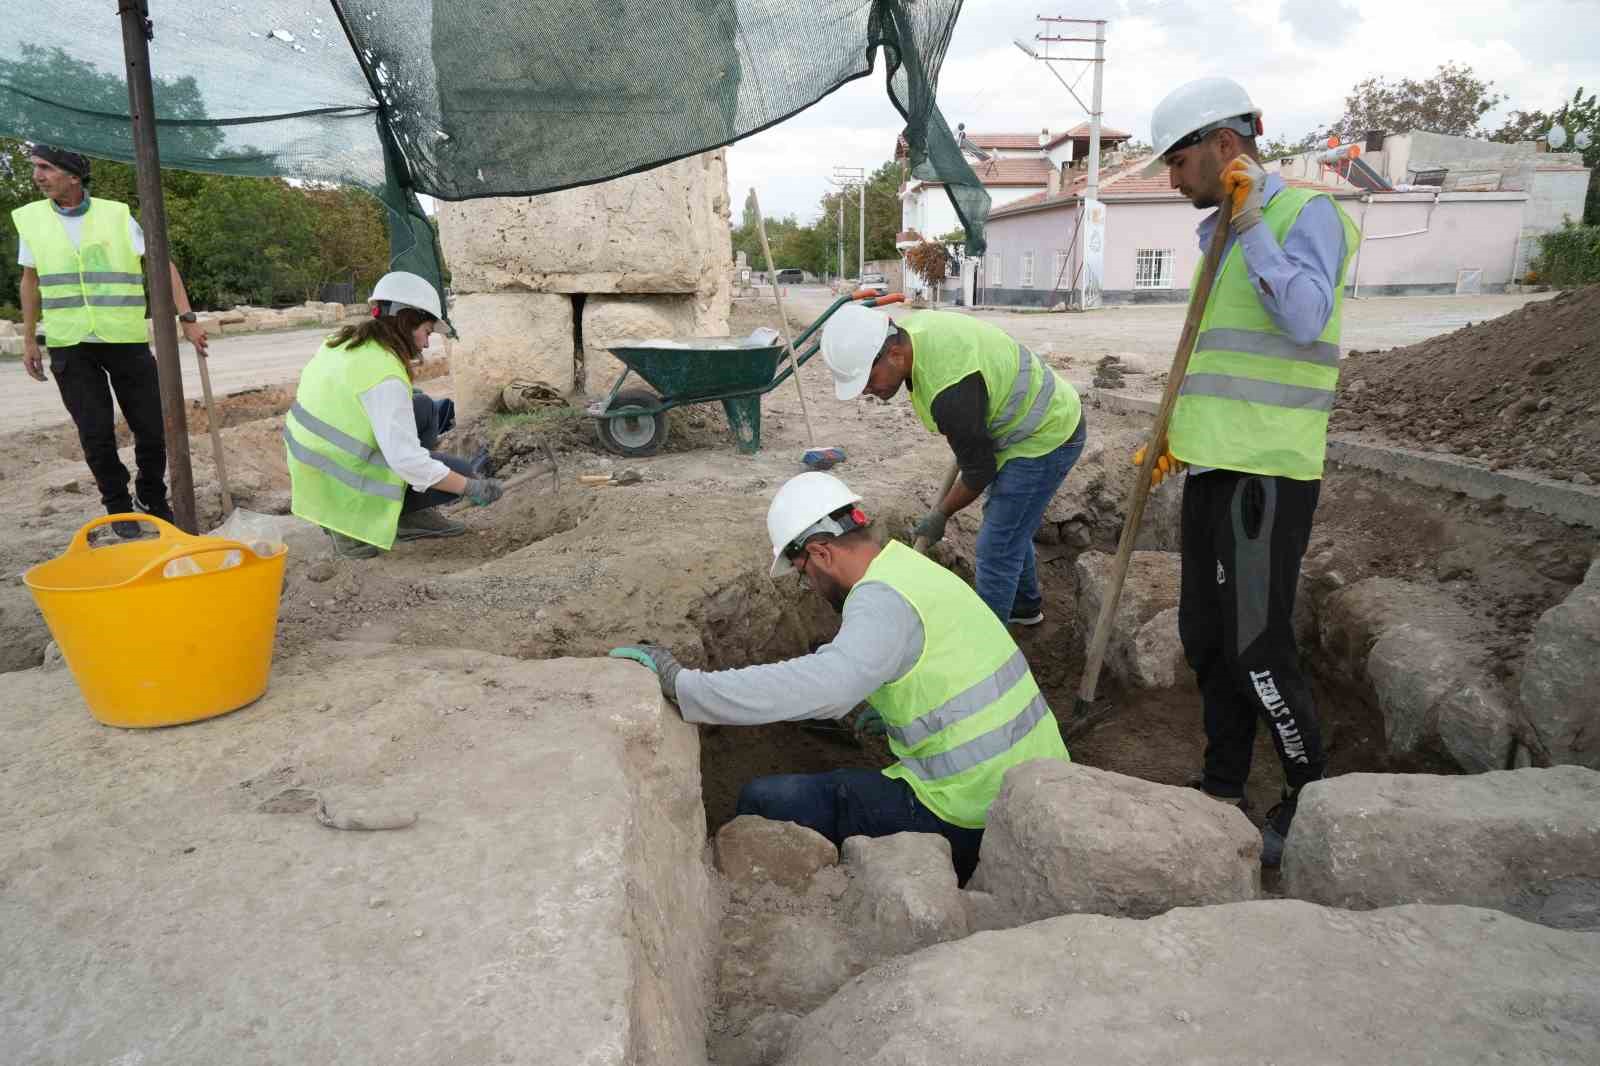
(356, 481)
(1037, 411)
(982, 748)
(338, 437)
(1254, 390)
(1274, 344)
(965, 705)
(92, 288)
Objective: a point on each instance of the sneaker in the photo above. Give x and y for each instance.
(419, 525)
(1027, 616)
(1275, 830)
(1198, 783)
(158, 509)
(132, 530)
(351, 548)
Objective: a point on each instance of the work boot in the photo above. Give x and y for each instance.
(351, 548)
(1027, 614)
(419, 525)
(1198, 783)
(1275, 830)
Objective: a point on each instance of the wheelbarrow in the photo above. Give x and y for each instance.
(736, 372)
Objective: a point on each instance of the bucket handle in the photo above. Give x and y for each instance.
(153, 570)
(164, 530)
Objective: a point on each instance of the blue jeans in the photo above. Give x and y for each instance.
(434, 419)
(856, 803)
(1007, 579)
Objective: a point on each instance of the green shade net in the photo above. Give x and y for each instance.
(471, 98)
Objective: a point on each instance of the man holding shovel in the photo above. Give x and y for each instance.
(1251, 423)
(1015, 427)
(80, 268)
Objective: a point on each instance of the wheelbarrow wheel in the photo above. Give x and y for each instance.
(636, 433)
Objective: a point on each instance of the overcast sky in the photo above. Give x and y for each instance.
(1297, 58)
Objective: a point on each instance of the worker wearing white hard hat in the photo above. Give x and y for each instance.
(944, 680)
(1251, 424)
(359, 436)
(1015, 426)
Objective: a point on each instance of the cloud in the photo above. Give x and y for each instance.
(1320, 21)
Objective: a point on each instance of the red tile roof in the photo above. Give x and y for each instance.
(1129, 183)
(1011, 173)
(1005, 140)
(1081, 132)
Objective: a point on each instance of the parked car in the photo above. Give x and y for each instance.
(791, 276)
(874, 283)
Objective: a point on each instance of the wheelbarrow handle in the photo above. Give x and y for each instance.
(887, 298)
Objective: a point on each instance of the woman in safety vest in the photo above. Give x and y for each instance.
(358, 435)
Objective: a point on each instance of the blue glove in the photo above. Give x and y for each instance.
(482, 491)
(660, 661)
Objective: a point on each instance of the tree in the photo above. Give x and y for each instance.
(1452, 101)
(1281, 147)
(932, 260)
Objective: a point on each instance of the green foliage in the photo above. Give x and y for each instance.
(1282, 147)
(1569, 257)
(10, 313)
(1452, 101)
(816, 247)
(1581, 113)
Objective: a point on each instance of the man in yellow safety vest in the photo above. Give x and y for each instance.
(81, 278)
(958, 702)
(1251, 424)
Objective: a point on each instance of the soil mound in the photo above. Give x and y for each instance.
(1522, 390)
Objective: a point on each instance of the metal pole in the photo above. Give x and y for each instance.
(841, 235)
(1093, 191)
(861, 255)
(136, 33)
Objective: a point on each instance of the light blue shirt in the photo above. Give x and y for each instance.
(1295, 280)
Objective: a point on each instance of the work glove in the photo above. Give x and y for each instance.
(931, 527)
(1166, 464)
(1243, 180)
(869, 723)
(482, 491)
(661, 662)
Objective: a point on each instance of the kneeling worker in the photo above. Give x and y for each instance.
(958, 701)
(1015, 427)
(357, 465)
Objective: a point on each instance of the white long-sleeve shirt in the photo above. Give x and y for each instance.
(879, 641)
(394, 424)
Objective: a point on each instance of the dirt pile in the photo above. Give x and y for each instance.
(1518, 391)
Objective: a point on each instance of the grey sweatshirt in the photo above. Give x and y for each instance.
(879, 641)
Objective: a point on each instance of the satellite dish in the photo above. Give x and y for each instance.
(1581, 140)
(1557, 136)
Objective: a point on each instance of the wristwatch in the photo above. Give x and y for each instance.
(188, 316)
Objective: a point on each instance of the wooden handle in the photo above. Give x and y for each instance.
(783, 320)
(921, 543)
(216, 433)
(1153, 450)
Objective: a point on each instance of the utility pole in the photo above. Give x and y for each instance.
(1093, 251)
(846, 178)
(137, 31)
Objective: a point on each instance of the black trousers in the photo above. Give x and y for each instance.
(87, 374)
(1243, 539)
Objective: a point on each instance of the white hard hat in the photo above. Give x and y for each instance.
(850, 341)
(1200, 107)
(404, 289)
(805, 501)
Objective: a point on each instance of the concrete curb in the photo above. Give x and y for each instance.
(1574, 504)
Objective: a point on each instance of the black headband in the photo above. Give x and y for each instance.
(73, 163)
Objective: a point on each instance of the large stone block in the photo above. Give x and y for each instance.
(509, 335)
(750, 848)
(1067, 839)
(1561, 678)
(1522, 841)
(1261, 982)
(661, 231)
(1144, 650)
(903, 894)
(610, 320)
(550, 903)
(1437, 698)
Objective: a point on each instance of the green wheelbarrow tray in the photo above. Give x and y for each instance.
(734, 371)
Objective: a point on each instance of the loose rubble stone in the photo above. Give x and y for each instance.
(1268, 981)
(791, 961)
(754, 1038)
(1437, 697)
(1561, 677)
(1522, 841)
(1095, 498)
(751, 848)
(1144, 649)
(1066, 839)
(903, 894)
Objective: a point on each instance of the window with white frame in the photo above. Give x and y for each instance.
(1058, 272)
(993, 270)
(1152, 268)
(1027, 270)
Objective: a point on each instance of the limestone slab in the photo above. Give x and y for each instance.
(504, 336)
(611, 320)
(550, 905)
(1523, 841)
(1261, 982)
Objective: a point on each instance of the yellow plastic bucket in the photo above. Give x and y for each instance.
(163, 631)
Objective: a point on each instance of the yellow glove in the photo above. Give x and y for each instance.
(1166, 464)
(1244, 181)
